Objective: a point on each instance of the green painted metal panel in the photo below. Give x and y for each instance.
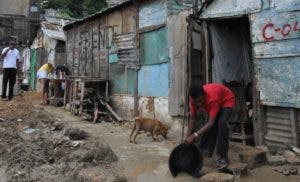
(130, 81)
(118, 79)
(32, 80)
(154, 47)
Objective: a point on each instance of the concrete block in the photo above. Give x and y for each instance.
(217, 177)
(238, 169)
(291, 157)
(289, 154)
(254, 158)
(276, 160)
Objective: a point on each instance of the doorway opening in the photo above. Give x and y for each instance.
(231, 64)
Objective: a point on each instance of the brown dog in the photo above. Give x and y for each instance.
(153, 126)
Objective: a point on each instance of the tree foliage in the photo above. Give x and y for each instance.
(76, 8)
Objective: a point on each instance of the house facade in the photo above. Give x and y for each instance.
(134, 45)
(257, 42)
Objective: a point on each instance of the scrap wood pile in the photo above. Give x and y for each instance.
(94, 107)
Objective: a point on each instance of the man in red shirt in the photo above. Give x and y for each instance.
(218, 102)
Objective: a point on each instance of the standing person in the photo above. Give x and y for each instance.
(11, 56)
(218, 101)
(62, 70)
(42, 75)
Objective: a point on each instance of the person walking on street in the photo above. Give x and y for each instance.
(11, 57)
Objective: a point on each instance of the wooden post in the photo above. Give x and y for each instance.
(106, 90)
(189, 76)
(135, 109)
(294, 127)
(65, 92)
(81, 97)
(137, 48)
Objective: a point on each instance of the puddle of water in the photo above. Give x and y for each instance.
(3, 177)
(30, 130)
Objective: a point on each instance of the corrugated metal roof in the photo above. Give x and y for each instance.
(96, 15)
(53, 31)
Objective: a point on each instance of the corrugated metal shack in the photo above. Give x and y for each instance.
(48, 46)
(141, 47)
(272, 31)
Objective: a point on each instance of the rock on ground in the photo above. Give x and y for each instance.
(286, 170)
(76, 134)
(217, 177)
(95, 152)
(291, 157)
(289, 154)
(276, 160)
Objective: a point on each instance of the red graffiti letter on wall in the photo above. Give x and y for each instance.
(267, 38)
(296, 27)
(286, 29)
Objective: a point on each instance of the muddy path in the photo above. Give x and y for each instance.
(31, 149)
(148, 160)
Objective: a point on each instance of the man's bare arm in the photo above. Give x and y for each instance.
(4, 54)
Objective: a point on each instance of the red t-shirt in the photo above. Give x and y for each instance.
(217, 97)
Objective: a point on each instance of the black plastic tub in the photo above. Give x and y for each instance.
(186, 158)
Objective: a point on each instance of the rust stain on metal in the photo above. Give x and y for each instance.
(150, 105)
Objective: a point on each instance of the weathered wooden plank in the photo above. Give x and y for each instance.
(177, 37)
(178, 42)
(95, 49)
(129, 20)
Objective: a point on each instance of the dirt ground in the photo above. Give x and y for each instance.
(32, 149)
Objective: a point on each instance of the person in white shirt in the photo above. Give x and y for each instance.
(11, 56)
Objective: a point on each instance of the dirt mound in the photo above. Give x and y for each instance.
(35, 148)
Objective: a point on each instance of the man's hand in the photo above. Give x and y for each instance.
(190, 139)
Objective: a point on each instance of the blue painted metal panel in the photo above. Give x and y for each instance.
(175, 6)
(287, 5)
(152, 13)
(276, 48)
(269, 25)
(285, 48)
(278, 81)
(154, 80)
(221, 8)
